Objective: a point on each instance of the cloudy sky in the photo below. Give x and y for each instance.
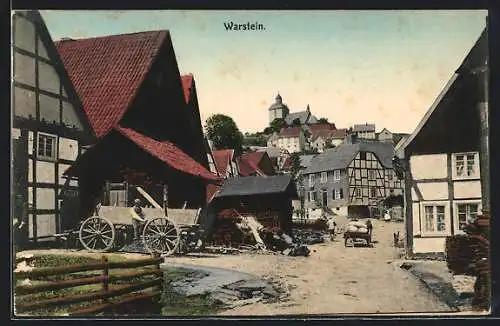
(383, 67)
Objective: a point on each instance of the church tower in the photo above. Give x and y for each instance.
(278, 110)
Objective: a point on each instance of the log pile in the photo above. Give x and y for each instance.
(468, 254)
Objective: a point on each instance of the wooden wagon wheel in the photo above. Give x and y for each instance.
(97, 234)
(161, 236)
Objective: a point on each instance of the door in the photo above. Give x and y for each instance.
(325, 198)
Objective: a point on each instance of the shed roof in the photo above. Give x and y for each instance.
(255, 185)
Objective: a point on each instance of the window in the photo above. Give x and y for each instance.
(311, 180)
(466, 213)
(371, 174)
(324, 177)
(362, 155)
(336, 175)
(390, 175)
(466, 165)
(358, 192)
(434, 218)
(310, 197)
(338, 194)
(46, 147)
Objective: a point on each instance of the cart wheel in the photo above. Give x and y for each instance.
(349, 242)
(97, 234)
(161, 236)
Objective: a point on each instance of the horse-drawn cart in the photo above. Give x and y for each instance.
(357, 231)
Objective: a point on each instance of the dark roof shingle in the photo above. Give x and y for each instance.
(341, 156)
(254, 185)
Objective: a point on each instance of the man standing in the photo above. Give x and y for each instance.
(331, 227)
(138, 218)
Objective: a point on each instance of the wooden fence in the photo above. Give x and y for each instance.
(112, 296)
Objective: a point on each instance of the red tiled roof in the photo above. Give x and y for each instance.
(321, 126)
(222, 159)
(187, 84)
(287, 164)
(211, 190)
(249, 163)
(168, 153)
(107, 72)
(290, 132)
(338, 133)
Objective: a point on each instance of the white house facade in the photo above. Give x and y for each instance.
(441, 158)
(49, 130)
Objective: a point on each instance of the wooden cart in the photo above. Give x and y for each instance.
(350, 237)
(161, 234)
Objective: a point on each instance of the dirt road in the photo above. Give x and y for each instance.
(334, 279)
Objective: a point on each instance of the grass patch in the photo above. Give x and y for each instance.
(55, 260)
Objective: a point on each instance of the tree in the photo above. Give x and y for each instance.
(295, 164)
(224, 133)
(277, 124)
(296, 123)
(323, 120)
(268, 131)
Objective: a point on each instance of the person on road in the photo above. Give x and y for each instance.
(138, 218)
(331, 227)
(387, 216)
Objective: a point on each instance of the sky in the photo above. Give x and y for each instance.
(382, 67)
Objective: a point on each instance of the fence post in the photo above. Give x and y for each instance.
(105, 273)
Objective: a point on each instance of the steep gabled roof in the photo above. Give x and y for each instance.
(61, 70)
(472, 59)
(340, 157)
(107, 72)
(222, 159)
(249, 163)
(304, 116)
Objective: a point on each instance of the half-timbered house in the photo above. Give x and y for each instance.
(351, 177)
(49, 130)
(441, 159)
(145, 115)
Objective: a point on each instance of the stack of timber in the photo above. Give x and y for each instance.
(469, 254)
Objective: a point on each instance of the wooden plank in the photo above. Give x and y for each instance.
(88, 296)
(56, 285)
(148, 198)
(127, 299)
(88, 267)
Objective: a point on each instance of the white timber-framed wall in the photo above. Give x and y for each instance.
(444, 197)
(442, 173)
(48, 127)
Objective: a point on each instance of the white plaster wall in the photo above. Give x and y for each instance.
(68, 149)
(414, 194)
(16, 133)
(30, 225)
(30, 197)
(428, 245)
(341, 210)
(415, 210)
(467, 189)
(31, 140)
(62, 169)
(30, 170)
(45, 172)
(428, 166)
(46, 225)
(337, 142)
(49, 79)
(433, 190)
(45, 198)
